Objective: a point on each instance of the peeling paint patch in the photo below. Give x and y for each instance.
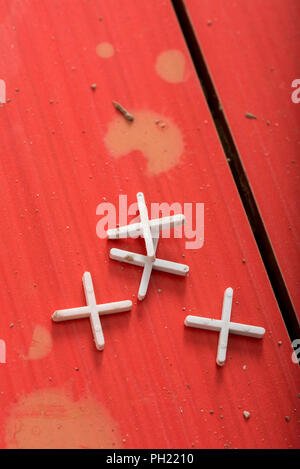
(156, 136)
(171, 66)
(50, 419)
(105, 50)
(41, 344)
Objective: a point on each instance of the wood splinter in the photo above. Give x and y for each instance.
(124, 111)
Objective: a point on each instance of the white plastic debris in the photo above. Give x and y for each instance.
(92, 310)
(225, 326)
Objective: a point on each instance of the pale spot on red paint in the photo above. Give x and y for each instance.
(170, 65)
(50, 419)
(156, 136)
(41, 344)
(105, 50)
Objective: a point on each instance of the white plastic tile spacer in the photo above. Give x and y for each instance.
(225, 326)
(92, 310)
(147, 228)
(143, 261)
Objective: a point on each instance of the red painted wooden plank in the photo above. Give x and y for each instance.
(156, 383)
(251, 50)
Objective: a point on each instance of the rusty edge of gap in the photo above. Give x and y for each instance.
(261, 237)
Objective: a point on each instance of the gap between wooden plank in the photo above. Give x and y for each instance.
(238, 172)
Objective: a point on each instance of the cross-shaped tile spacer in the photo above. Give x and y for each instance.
(149, 229)
(143, 261)
(92, 310)
(225, 326)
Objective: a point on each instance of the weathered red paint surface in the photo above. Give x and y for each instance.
(251, 49)
(156, 384)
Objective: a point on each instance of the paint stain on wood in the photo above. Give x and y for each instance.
(105, 50)
(41, 344)
(51, 419)
(162, 146)
(171, 66)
